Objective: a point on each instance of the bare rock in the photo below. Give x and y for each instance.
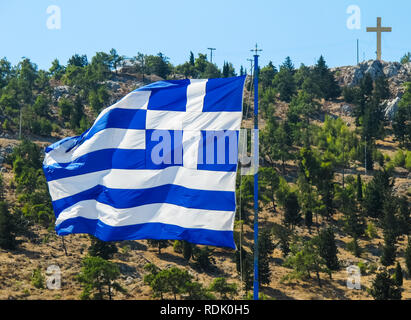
(391, 109)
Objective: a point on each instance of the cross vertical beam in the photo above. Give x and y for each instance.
(379, 29)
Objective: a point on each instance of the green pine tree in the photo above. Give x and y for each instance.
(407, 256)
(98, 278)
(384, 288)
(103, 249)
(398, 276)
(7, 228)
(328, 249)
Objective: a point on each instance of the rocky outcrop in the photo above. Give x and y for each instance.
(396, 73)
(61, 91)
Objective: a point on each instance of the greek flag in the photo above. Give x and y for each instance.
(159, 164)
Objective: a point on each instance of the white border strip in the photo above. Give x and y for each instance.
(152, 213)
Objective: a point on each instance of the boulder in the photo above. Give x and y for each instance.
(391, 109)
(346, 109)
(112, 85)
(61, 91)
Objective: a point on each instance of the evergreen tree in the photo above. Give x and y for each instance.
(407, 256)
(379, 189)
(56, 70)
(158, 65)
(176, 280)
(228, 70)
(284, 81)
(245, 268)
(401, 126)
(159, 244)
(98, 278)
(191, 59)
(187, 250)
(384, 288)
(354, 222)
(381, 88)
(283, 235)
(324, 78)
(196, 291)
(308, 219)
(398, 276)
(275, 143)
(115, 59)
(402, 118)
(78, 61)
(292, 210)
(7, 228)
(404, 216)
(304, 259)
(390, 227)
(5, 72)
(265, 249)
(156, 280)
(203, 257)
(388, 252)
(266, 75)
(242, 72)
(223, 288)
(359, 188)
(103, 249)
(328, 249)
(406, 58)
(354, 247)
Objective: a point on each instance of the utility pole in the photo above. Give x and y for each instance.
(358, 57)
(365, 159)
(251, 65)
(211, 53)
(20, 126)
(256, 160)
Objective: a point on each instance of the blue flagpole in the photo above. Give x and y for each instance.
(256, 282)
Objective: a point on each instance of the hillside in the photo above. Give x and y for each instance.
(41, 248)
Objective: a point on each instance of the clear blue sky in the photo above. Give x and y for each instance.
(299, 28)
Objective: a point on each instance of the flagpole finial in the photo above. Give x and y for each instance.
(256, 50)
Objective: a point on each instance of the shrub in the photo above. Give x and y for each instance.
(408, 161)
(349, 94)
(177, 246)
(173, 281)
(363, 267)
(6, 125)
(371, 231)
(354, 248)
(203, 257)
(37, 279)
(399, 159)
(221, 286)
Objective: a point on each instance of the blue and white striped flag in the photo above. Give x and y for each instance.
(159, 164)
